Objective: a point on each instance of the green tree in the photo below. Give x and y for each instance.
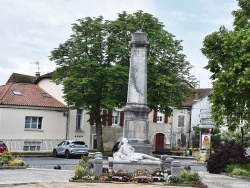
(228, 53)
(93, 65)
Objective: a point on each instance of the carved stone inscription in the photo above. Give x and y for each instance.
(137, 130)
(138, 76)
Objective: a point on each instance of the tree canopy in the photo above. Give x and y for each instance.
(93, 65)
(228, 53)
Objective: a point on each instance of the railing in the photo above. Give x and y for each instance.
(23, 145)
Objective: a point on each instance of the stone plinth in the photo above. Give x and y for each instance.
(130, 167)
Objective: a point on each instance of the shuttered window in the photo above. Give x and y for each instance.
(180, 121)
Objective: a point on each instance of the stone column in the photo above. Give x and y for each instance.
(136, 109)
(98, 165)
(176, 168)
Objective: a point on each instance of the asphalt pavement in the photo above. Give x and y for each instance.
(45, 176)
(50, 178)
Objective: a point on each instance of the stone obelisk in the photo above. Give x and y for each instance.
(136, 109)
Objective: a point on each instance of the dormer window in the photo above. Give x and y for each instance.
(16, 92)
(44, 94)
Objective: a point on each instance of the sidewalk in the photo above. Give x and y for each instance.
(38, 178)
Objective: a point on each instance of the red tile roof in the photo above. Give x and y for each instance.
(31, 95)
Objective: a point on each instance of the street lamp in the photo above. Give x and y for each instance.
(241, 125)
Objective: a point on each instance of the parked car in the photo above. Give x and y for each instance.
(247, 153)
(70, 148)
(3, 147)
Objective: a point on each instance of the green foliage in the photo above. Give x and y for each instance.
(236, 135)
(215, 137)
(239, 169)
(229, 62)
(93, 65)
(228, 153)
(7, 155)
(174, 180)
(83, 169)
(7, 159)
(189, 177)
(16, 162)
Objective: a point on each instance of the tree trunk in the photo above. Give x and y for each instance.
(98, 125)
(99, 137)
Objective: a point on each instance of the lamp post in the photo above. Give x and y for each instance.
(241, 125)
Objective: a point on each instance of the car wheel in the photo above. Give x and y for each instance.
(67, 154)
(54, 153)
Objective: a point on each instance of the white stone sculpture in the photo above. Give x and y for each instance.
(127, 152)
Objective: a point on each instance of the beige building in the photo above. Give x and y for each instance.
(58, 122)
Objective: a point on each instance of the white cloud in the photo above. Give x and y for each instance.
(30, 29)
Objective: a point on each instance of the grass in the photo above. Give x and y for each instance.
(239, 169)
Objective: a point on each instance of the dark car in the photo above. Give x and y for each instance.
(3, 147)
(70, 148)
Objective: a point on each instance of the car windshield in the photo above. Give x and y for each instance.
(78, 143)
(1, 143)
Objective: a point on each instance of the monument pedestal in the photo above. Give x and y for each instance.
(130, 167)
(136, 127)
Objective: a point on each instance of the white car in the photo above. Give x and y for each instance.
(70, 148)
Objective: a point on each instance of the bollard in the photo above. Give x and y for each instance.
(98, 165)
(176, 168)
(166, 165)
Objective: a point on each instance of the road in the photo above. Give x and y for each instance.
(50, 162)
(69, 164)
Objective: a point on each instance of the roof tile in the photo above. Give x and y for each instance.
(31, 95)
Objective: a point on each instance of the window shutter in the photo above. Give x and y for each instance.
(121, 118)
(155, 116)
(166, 118)
(109, 117)
(104, 117)
(92, 118)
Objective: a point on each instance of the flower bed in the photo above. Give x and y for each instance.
(8, 161)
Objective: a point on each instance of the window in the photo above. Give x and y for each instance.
(32, 146)
(160, 117)
(180, 121)
(44, 94)
(114, 118)
(79, 119)
(33, 122)
(16, 92)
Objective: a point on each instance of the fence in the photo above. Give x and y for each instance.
(22, 145)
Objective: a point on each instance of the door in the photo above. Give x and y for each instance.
(159, 141)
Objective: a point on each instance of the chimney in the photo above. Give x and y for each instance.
(37, 74)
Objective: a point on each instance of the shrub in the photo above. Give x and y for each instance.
(16, 162)
(240, 172)
(7, 159)
(82, 170)
(6, 156)
(190, 177)
(238, 169)
(228, 153)
(174, 180)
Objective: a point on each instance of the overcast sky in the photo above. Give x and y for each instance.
(30, 29)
